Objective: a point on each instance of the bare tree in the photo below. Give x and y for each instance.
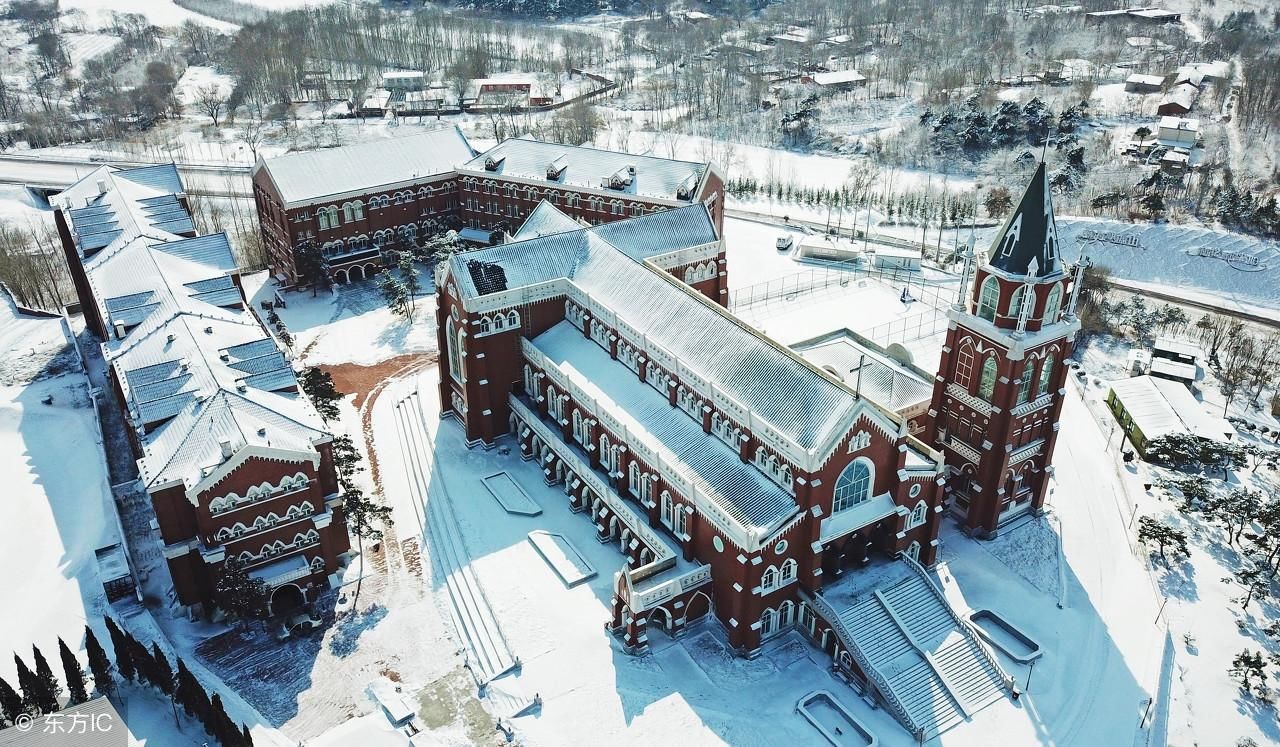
(211, 100)
(253, 131)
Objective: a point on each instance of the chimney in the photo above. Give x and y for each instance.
(226, 449)
(120, 331)
(102, 186)
(171, 337)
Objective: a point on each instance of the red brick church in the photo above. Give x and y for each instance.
(741, 481)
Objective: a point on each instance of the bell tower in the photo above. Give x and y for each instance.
(999, 389)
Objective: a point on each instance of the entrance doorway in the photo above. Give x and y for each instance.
(286, 599)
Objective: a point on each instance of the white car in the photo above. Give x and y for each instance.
(785, 242)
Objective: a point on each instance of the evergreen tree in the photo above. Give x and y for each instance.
(1152, 530)
(364, 520)
(395, 294)
(318, 385)
(99, 665)
(190, 695)
(142, 660)
(312, 267)
(120, 644)
(164, 674)
(50, 689)
(412, 286)
(29, 685)
(74, 673)
(10, 703)
(346, 459)
(1248, 667)
(237, 593)
(224, 729)
(246, 738)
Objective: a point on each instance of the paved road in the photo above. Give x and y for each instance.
(58, 173)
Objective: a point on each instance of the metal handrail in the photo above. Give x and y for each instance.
(964, 625)
(882, 685)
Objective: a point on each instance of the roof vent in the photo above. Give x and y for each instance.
(225, 356)
(171, 337)
(226, 449)
(208, 330)
(184, 364)
(262, 431)
(102, 186)
(120, 330)
(242, 387)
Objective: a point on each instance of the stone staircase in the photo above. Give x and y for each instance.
(488, 654)
(925, 661)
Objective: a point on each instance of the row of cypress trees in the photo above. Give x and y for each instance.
(39, 692)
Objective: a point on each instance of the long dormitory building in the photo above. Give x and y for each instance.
(237, 464)
(362, 203)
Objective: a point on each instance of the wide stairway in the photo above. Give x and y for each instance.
(931, 662)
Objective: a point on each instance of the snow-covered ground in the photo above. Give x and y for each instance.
(349, 323)
(1103, 650)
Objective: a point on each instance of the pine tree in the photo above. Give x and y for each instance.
(164, 674)
(119, 643)
(10, 703)
(1164, 536)
(224, 729)
(318, 385)
(142, 660)
(99, 664)
(29, 685)
(50, 689)
(412, 286)
(246, 738)
(394, 293)
(237, 593)
(74, 673)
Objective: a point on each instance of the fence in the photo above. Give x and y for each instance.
(830, 275)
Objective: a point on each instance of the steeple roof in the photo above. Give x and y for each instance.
(1028, 240)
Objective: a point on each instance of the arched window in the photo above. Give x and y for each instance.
(668, 513)
(1028, 378)
(987, 386)
(579, 434)
(769, 580)
(633, 479)
(1046, 373)
(768, 623)
(918, 515)
(513, 318)
(913, 551)
(1052, 304)
(964, 365)
(454, 342)
(571, 200)
(357, 210)
(788, 571)
(786, 613)
(988, 298)
(853, 486)
(1015, 302)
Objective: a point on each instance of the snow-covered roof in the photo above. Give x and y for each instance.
(318, 175)
(545, 220)
(838, 77)
(187, 447)
(195, 368)
(1178, 347)
(1183, 94)
(777, 386)
(582, 166)
(1179, 123)
(1147, 80)
(860, 364)
(717, 471)
(111, 204)
(1159, 407)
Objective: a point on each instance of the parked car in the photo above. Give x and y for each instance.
(785, 242)
(301, 623)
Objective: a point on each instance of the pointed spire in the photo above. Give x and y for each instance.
(1028, 240)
